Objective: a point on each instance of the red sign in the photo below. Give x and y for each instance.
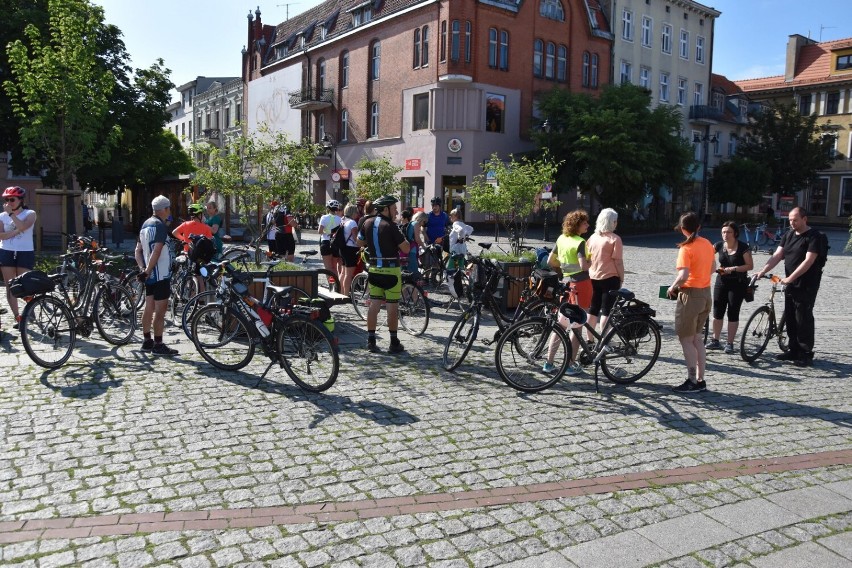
(344, 174)
(412, 164)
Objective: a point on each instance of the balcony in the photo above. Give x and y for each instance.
(212, 135)
(704, 114)
(311, 99)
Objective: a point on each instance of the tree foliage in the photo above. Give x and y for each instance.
(740, 181)
(615, 147)
(376, 177)
(513, 194)
(790, 145)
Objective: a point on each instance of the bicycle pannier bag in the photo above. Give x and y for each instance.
(31, 283)
(201, 249)
(544, 283)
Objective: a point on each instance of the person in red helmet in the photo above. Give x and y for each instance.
(17, 254)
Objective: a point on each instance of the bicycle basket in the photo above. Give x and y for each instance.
(544, 283)
(31, 283)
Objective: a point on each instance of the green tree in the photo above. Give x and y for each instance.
(615, 146)
(513, 194)
(740, 181)
(376, 177)
(790, 145)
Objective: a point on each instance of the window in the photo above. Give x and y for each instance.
(562, 63)
(666, 39)
(416, 50)
(375, 60)
(684, 44)
(594, 70)
(538, 56)
(645, 77)
(424, 47)
(845, 208)
(420, 120)
(344, 125)
(455, 41)
(627, 25)
(549, 60)
(495, 108)
(183, 130)
(586, 63)
(698, 94)
(321, 75)
(344, 69)
(320, 127)
(832, 103)
(805, 104)
(468, 38)
(664, 87)
(717, 144)
(743, 108)
(719, 101)
(552, 9)
(682, 87)
(492, 47)
(227, 117)
(844, 62)
(818, 198)
(626, 72)
(374, 120)
(647, 30)
(443, 43)
(699, 49)
(504, 50)
(732, 144)
(190, 130)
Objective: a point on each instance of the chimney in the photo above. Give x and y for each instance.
(794, 44)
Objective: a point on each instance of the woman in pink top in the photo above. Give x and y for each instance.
(607, 269)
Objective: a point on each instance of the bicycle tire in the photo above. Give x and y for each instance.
(222, 336)
(783, 338)
(414, 309)
(184, 290)
(461, 339)
(136, 288)
(626, 359)
(359, 293)
(114, 313)
(48, 332)
(239, 256)
(309, 354)
(756, 334)
(193, 305)
(537, 307)
(523, 349)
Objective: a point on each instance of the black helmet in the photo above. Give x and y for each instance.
(436, 201)
(384, 201)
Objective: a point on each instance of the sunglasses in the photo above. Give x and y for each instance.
(8, 199)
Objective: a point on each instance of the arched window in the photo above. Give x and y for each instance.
(344, 69)
(468, 34)
(586, 63)
(552, 9)
(594, 70)
(561, 63)
(538, 55)
(424, 51)
(492, 47)
(344, 125)
(455, 41)
(504, 50)
(416, 48)
(549, 60)
(375, 60)
(374, 120)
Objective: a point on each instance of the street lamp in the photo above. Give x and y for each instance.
(706, 138)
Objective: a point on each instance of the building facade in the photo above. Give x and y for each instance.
(204, 90)
(436, 86)
(818, 80)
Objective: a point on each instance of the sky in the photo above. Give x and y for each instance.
(205, 37)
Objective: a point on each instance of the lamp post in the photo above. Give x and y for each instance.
(546, 127)
(330, 148)
(704, 139)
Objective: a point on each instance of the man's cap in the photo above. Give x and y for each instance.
(160, 202)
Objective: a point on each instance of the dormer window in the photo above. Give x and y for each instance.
(323, 33)
(362, 13)
(844, 62)
(552, 9)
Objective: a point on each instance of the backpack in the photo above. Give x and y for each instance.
(337, 239)
(822, 253)
(201, 249)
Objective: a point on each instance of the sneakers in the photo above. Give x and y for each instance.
(729, 349)
(689, 386)
(573, 369)
(163, 351)
(372, 347)
(788, 356)
(396, 347)
(548, 368)
(148, 345)
(805, 360)
(17, 323)
(713, 344)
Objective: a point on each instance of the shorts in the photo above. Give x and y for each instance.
(325, 248)
(161, 290)
(350, 256)
(390, 295)
(583, 289)
(286, 243)
(691, 311)
(273, 245)
(602, 300)
(17, 258)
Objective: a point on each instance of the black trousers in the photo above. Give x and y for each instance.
(799, 316)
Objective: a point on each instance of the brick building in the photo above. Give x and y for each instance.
(437, 86)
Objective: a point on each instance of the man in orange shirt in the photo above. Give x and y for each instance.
(195, 226)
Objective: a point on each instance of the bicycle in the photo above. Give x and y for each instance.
(433, 276)
(414, 310)
(626, 348)
(228, 332)
(50, 321)
(750, 242)
(762, 326)
(764, 237)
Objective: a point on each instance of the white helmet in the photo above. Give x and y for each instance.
(333, 204)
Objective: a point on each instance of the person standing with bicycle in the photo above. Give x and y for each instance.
(155, 263)
(384, 242)
(17, 253)
(734, 259)
(607, 266)
(691, 289)
(799, 249)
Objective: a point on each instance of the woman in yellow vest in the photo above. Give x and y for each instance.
(571, 257)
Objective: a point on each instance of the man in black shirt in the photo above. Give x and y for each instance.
(384, 242)
(799, 248)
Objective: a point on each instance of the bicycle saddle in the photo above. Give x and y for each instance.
(308, 252)
(486, 246)
(278, 289)
(624, 293)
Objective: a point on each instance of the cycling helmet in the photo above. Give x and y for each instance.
(436, 201)
(15, 191)
(196, 208)
(333, 204)
(385, 201)
(575, 314)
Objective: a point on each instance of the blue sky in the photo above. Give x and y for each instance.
(204, 37)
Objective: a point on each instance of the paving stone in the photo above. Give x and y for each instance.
(753, 516)
(806, 555)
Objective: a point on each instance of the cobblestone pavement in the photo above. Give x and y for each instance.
(116, 432)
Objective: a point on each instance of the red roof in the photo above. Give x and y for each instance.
(813, 67)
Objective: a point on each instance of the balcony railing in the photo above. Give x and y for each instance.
(311, 98)
(211, 133)
(704, 113)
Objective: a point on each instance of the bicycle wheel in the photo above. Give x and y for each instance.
(135, 287)
(783, 339)
(413, 309)
(360, 294)
(523, 350)
(309, 354)
(74, 283)
(47, 331)
(756, 334)
(631, 348)
(114, 313)
(461, 339)
(183, 291)
(536, 307)
(193, 305)
(239, 257)
(222, 337)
